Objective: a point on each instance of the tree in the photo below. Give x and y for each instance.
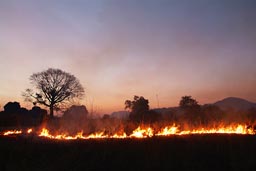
(192, 110)
(53, 87)
(188, 102)
(138, 106)
(76, 113)
(12, 107)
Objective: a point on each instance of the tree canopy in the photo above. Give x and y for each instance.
(188, 102)
(138, 106)
(52, 87)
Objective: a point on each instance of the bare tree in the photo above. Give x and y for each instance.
(52, 87)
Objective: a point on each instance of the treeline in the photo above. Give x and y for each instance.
(76, 118)
(189, 113)
(14, 115)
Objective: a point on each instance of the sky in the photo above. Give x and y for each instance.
(159, 49)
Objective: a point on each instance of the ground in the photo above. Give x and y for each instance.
(190, 152)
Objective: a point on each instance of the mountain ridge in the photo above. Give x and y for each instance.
(235, 103)
(228, 103)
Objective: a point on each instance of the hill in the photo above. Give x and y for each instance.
(229, 103)
(235, 104)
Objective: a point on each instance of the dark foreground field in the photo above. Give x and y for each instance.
(194, 152)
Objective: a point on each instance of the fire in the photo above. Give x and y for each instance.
(12, 132)
(149, 132)
(169, 130)
(97, 135)
(45, 133)
(140, 132)
(238, 129)
(15, 132)
(120, 135)
(29, 130)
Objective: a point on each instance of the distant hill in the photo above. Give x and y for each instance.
(235, 104)
(229, 103)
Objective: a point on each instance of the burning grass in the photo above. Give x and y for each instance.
(140, 132)
(130, 147)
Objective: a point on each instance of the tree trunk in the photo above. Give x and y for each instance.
(51, 111)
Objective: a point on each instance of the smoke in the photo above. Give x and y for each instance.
(78, 119)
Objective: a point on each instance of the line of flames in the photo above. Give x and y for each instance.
(138, 133)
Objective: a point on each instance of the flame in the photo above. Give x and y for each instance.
(122, 136)
(12, 132)
(45, 133)
(29, 130)
(97, 135)
(238, 129)
(140, 132)
(169, 130)
(15, 132)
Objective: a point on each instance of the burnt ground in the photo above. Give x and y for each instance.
(193, 152)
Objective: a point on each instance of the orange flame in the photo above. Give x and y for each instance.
(238, 129)
(12, 132)
(141, 132)
(149, 132)
(29, 130)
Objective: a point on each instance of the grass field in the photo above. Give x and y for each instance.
(190, 152)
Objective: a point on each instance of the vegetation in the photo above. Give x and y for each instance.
(196, 152)
(52, 87)
(187, 102)
(16, 116)
(76, 118)
(139, 108)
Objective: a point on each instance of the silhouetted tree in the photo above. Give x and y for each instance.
(188, 102)
(37, 110)
(14, 115)
(12, 107)
(53, 86)
(38, 114)
(76, 112)
(192, 109)
(74, 118)
(138, 106)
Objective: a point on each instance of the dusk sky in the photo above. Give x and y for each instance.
(121, 48)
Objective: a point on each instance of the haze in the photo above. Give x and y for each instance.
(117, 49)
